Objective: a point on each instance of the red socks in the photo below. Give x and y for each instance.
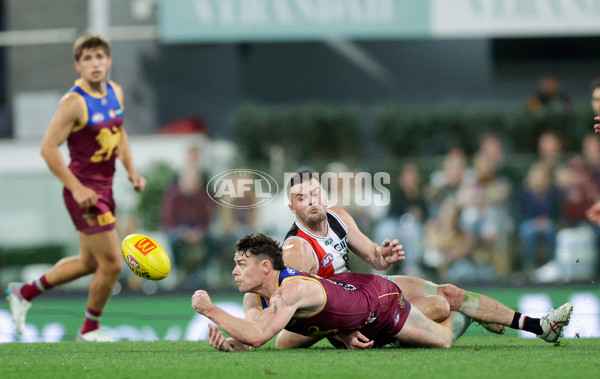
(91, 322)
(30, 290)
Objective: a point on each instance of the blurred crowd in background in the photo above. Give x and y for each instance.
(487, 216)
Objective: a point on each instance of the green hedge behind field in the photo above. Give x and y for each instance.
(335, 132)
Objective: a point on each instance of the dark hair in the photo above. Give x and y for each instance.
(89, 42)
(299, 178)
(259, 244)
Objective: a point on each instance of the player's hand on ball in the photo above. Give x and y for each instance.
(201, 301)
(392, 252)
(217, 339)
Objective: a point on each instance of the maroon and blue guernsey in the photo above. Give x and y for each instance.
(93, 146)
(94, 141)
(369, 303)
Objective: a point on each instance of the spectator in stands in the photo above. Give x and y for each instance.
(593, 213)
(549, 95)
(591, 154)
(445, 183)
(493, 147)
(578, 191)
(550, 149)
(538, 217)
(406, 215)
(446, 242)
(550, 152)
(484, 198)
(186, 216)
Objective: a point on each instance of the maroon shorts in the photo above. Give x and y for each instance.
(98, 218)
(391, 314)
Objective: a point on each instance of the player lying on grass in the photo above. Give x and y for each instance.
(317, 307)
(319, 243)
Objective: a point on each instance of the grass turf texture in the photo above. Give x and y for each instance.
(471, 357)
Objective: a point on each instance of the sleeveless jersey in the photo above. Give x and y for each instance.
(93, 142)
(369, 303)
(331, 251)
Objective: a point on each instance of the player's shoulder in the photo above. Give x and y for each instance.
(296, 245)
(118, 89)
(341, 213)
(300, 291)
(292, 284)
(116, 86)
(72, 102)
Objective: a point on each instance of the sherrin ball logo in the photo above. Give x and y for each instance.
(132, 262)
(145, 257)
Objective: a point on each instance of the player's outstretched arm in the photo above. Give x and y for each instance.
(379, 257)
(270, 321)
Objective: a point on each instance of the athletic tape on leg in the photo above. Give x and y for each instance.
(470, 304)
(430, 288)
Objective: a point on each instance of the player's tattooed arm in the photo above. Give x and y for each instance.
(276, 300)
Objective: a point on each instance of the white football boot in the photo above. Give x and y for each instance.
(18, 305)
(97, 335)
(554, 321)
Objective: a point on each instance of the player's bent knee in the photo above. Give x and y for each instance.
(453, 295)
(110, 268)
(441, 309)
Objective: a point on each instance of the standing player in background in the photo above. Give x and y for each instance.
(319, 243)
(593, 213)
(90, 119)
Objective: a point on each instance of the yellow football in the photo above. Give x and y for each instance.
(145, 257)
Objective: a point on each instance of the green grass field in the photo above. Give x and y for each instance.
(471, 357)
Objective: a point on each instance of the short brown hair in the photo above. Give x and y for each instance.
(260, 245)
(89, 42)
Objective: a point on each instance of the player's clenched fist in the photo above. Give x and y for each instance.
(201, 301)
